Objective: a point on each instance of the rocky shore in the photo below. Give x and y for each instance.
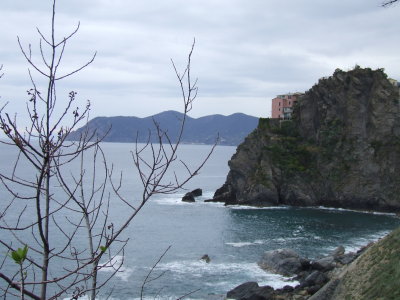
(371, 273)
(311, 275)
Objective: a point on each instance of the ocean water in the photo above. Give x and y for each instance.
(233, 237)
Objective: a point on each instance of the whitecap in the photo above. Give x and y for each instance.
(251, 272)
(243, 244)
(259, 208)
(353, 210)
(240, 244)
(356, 244)
(176, 199)
(259, 242)
(116, 263)
(286, 239)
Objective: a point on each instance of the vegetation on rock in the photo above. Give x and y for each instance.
(341, 149)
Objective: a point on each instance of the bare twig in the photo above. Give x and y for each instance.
(147, 278)
(388, 3)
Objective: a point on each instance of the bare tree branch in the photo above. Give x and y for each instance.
(59, 204)
(388, 3)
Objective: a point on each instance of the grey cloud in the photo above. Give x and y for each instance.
(244, 49)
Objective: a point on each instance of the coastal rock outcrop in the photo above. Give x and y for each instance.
(190, 196)
(312, 275)
(341, 149)
(283, 261)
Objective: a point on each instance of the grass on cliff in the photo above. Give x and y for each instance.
(377, 273)
(288, 150)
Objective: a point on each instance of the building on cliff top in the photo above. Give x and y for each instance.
(282, 105)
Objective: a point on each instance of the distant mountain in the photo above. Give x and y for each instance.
(231, 129)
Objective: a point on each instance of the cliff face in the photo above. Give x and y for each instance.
(341, 149)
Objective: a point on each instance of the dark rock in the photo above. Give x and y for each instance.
(244, 290)
(287, 289)
(197, 192)
(223, 194)
(341, 141)
(188, 197)
(265, 292)
(346, 258)
(324, 264)
(326, 291)
(313, 289)
(283, 261)
(206, 258)
(316, 278)
(251, 291)
(339, 251)
(257, 297)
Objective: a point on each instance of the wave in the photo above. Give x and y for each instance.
(117, 264)
(243, 244)
(286, 239)
(176, 199)
(238, 206)
(356, 244)
(259, 208)
(353, 210)
(225, 272)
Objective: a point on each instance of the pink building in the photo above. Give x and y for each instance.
(282, 105)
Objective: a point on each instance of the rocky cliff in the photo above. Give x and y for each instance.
(341, 149)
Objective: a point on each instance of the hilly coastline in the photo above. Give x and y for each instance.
(231, 130)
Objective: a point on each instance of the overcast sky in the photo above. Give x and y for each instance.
(246, 52)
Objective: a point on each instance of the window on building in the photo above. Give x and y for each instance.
(290, 97)
(279, 104)
(289, 102)
(279, 109)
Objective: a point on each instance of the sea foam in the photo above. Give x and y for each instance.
(117, 264)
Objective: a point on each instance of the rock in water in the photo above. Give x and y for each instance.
(283, 261)
(197, 192)
(251, 290)
(339, 251)
(206, 258)
(341, 149)
(188, 197)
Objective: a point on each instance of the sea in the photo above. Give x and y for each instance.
(167, 239)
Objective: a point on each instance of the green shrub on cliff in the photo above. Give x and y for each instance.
(290, 152)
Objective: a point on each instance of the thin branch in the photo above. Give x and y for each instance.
(79, 69)
(18, 288)
(388, 3)
(147, 278)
